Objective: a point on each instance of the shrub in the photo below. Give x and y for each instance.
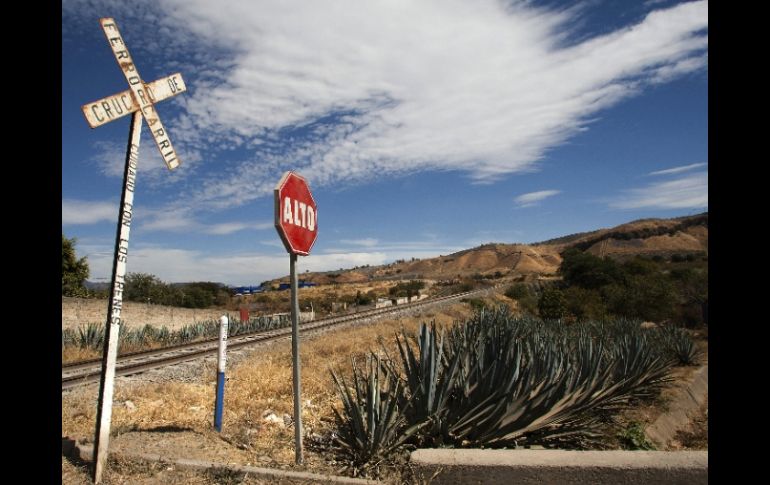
(551, 304)
(588, 271)
(632, 437)
(522, 294)
(584, 304)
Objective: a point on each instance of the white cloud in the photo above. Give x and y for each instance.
(110, 159)
(533, 198)
(403, 249)
(366, 242)
(180, 220)
(378, 88)
(231, 227)
(382, 88)
(178, 265)
(679, 169)
(167, 221)
(87, 212)
(687, 192)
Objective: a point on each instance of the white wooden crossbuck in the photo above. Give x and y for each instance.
(138, 101)
(143, 96)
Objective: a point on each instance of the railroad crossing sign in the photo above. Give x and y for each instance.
(296, 214)
(296, 220)
(119, 105)
(143, 96)
(138, 101)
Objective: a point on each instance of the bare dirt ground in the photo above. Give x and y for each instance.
(695, 436)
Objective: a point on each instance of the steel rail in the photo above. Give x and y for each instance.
(85, 372)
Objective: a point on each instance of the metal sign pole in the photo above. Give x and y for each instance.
(112, 330)
(295, 360)
(296, 220)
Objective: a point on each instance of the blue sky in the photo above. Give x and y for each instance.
(423, 127)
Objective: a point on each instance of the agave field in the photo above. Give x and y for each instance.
(91, 336)
(503, 381)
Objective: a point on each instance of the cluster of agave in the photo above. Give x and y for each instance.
(499, 381)
(91, 336)
(680, 345)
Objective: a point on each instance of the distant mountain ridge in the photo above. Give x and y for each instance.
(680, 235)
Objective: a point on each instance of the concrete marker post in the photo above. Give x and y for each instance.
(219, 403)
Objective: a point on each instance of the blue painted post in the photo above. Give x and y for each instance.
(220, 399)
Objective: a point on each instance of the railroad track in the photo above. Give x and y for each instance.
(85, 372)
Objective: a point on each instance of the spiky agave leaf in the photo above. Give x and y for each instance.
(371, 425)
(91, 336)
(679, 345)
(430, 377)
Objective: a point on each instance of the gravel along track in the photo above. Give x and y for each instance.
(81, 373)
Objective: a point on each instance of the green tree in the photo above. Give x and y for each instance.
(408, 288)
(74, 271)
(145, 287)
(552, 304)
(194, 296)
(585, 304)
(692, 286)
(650, 297)
(521, 293)
(588, 271)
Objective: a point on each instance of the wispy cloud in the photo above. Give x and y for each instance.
(363, 89)
(398, 249)
(178, 265)
(110, 159)
(231, 227)
(679, 169)
(534, 198)
(366, 242)
(87, 212)
(690, 191)
(182, 221)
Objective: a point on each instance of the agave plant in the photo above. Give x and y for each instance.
(163, 335)
(68, 338)
(429, 378)
(500, 381)
(91, 336)
(372, 425)
(679, 345)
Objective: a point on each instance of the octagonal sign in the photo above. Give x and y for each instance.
(296, 214)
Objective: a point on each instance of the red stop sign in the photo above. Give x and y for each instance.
(296, 214)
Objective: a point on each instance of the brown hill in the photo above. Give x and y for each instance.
(680, 235)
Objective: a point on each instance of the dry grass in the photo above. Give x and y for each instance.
(72, 354)
(76, 354)
(260, 384)
(263, 384)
